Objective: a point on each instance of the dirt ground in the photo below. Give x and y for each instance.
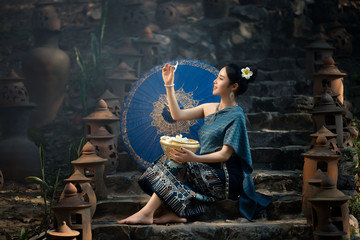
(21, 205)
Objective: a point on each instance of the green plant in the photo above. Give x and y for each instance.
(91, 79)
(355, 152)
(48, 193)
(75, 151)
(354, 206)
(23, 235)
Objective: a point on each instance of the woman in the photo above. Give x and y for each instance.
(223, 168)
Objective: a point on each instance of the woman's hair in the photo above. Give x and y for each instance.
(234, 74)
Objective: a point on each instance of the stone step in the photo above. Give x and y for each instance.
(282, 158)
(282, 104)
(283, 75)
(125, 183)
(271, 64)
(279, 138)
(278, 181)
(121, 206)
(295, 229)
(126, 163)
(280, 121)
(281, 51)
(273, 88)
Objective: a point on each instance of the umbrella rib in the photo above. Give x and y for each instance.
(151, 149)
(140, 146)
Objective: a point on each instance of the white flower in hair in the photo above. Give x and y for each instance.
(246, 73)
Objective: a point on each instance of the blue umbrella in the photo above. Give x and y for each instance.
(145, 116)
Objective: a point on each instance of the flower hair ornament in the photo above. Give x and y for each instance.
(246, 73)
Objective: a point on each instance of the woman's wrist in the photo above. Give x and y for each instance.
(169, 85)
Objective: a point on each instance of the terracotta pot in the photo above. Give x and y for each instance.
(19, 157)
(166, 15)
(46, 69)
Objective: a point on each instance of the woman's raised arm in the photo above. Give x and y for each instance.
(175, 111)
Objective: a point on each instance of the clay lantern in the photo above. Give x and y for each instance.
(63, 233)
(12, 90)
(330, 137)
(330, 212)
(312, 188)
(316, 52)
(84, 189)
(104, 145)
(127, 53)
(122, 80)
(74, 211)
(328, 90)
(320, 157)
(329, 75)
(16, 149)
(113, 102)
(329, 115)
(93, 167)
(149, 48)
(102, 117)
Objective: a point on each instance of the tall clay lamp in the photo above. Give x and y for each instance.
(329, 115)
(330, 137)
(74, 211)
(102, 117)
(122, 80)
(130, 55)
(113, 102)
(105, 147)
(331, 76)
(93, 167)
(148, 46)
(330, 212)
(320, 157)
(316, 51)
(84, 189)
(15, 147)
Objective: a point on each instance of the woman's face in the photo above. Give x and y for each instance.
(222, 84)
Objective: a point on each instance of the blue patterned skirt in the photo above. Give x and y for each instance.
(184, 188)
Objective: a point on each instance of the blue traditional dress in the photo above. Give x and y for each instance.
(187, 188)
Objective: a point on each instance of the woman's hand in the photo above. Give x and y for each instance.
(168, 74)
(183, 155)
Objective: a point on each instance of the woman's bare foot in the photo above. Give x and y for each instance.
(169, 217)
(138, 218)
